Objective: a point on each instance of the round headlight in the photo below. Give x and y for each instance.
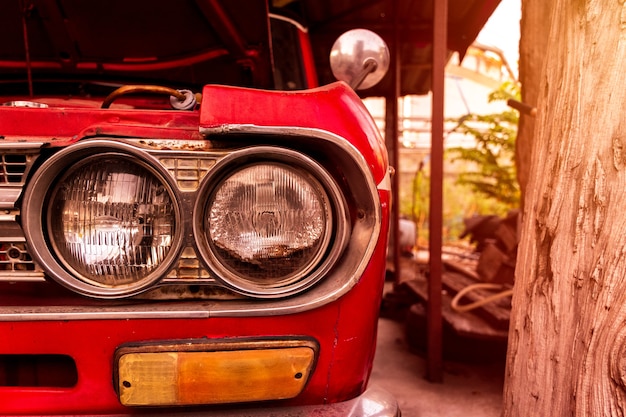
(100, 221)
(270, 225)
(111, 221)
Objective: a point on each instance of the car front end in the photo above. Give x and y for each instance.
(218, 251)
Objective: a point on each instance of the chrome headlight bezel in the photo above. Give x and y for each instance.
(334, 164)
(36, 209)
(336, 229)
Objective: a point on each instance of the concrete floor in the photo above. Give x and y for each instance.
(468, 390)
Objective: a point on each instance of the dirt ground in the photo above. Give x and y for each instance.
(468, 389)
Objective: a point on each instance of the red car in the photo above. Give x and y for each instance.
(189, 225)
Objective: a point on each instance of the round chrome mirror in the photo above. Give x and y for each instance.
(359, 57)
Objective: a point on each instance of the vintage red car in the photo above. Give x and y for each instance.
(190, 226)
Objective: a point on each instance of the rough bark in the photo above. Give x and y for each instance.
(567, 339)
(534, 29)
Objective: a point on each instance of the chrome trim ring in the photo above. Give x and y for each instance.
(37, 224)
(334, 239)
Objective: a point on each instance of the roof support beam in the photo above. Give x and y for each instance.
(433, 311)
(392, 114)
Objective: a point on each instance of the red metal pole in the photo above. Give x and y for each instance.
(434, 317)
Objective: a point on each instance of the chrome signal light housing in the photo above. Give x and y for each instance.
(102, 219)
(270, 222)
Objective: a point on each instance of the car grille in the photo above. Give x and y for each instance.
(15, 258)
(13, 167)
(188, 172)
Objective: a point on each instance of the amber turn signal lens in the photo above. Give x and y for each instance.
(220, 377)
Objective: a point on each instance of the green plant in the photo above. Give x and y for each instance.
(491, 163)
(459, 201)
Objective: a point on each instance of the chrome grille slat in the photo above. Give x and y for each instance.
(14, 257)
(15, 163)
(16, 264)
(189, 268)
(16, 159)
(187, 171)
(12, 168)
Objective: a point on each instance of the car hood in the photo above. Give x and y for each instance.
(182, 42)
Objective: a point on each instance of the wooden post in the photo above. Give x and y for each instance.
(434, 317)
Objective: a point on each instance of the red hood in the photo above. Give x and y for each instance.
(182, 43)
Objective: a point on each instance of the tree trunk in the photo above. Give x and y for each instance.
(567, 340)
(534, 28)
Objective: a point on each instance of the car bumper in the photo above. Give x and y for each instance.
(374, 402)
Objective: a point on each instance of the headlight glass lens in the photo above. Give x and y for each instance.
(111, 220)
(269, 223)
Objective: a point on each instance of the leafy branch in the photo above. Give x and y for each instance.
(494, 154)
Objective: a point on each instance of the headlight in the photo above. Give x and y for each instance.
(111, 221)
(271, 225)
(102, 222)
